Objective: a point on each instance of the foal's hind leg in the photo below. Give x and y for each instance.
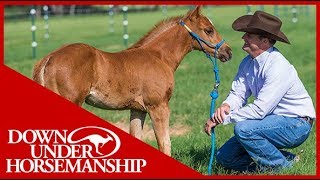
(136, 122)
(160, 120)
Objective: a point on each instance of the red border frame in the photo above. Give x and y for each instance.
(138, 2)
(2, 33)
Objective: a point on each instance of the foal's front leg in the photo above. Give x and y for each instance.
(136, 122)
(160, 121)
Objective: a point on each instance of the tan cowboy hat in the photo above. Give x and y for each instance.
(261, 23)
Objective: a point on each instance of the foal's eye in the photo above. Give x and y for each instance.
(208, 31)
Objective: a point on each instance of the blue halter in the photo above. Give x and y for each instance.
(214, 93)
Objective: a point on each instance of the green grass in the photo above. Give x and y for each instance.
(194, 77)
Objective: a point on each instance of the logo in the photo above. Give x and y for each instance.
(97, 140)
(83, 150)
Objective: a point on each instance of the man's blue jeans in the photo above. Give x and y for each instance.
(257, 143)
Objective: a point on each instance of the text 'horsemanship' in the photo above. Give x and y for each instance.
(60, 151)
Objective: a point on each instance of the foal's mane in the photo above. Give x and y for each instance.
(162, 26)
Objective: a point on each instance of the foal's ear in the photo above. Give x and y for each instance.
(195, 13)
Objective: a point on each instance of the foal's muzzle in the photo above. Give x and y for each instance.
(224, 53)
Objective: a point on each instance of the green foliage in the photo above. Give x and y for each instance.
(194, 77)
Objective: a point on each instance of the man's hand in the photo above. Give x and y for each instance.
(209, 125)
(217, 118)
(220, 113)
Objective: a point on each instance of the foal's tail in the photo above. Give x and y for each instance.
(39, 70)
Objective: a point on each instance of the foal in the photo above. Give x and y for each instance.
(140, 78)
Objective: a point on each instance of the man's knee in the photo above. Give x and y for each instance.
(222, 158)
(242, 130)
(219, 157)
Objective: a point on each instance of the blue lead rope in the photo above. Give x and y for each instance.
(214, 93)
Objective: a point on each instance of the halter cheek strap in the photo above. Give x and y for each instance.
(200, 40)
(214, 61)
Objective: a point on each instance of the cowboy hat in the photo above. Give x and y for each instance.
(261, 23)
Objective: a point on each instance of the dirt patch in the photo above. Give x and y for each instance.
(148, 134)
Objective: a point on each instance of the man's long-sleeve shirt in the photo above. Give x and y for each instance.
(275, 86)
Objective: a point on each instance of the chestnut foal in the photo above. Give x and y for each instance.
(140, 78)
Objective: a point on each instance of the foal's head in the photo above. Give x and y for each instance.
(202, 26)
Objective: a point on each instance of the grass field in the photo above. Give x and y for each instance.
(194, 77)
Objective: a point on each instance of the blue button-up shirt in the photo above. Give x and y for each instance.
(275, 86)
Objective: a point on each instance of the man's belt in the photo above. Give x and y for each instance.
(308, 119)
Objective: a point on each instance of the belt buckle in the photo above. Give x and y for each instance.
(308, 119)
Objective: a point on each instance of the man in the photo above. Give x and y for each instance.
(282, 113)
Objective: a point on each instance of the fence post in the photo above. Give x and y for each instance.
(294, 14)
(209, 12)
(164, 10)
(308, 10)
(261, 8)
(249, 9)
(33, 31)
(191, 7)
(276, 10)
(111, 22)
(46, 19)
(285, 10)
(125, 25)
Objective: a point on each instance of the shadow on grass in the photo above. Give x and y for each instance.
(198, 159)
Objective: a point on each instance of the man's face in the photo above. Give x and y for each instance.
(253, 45)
